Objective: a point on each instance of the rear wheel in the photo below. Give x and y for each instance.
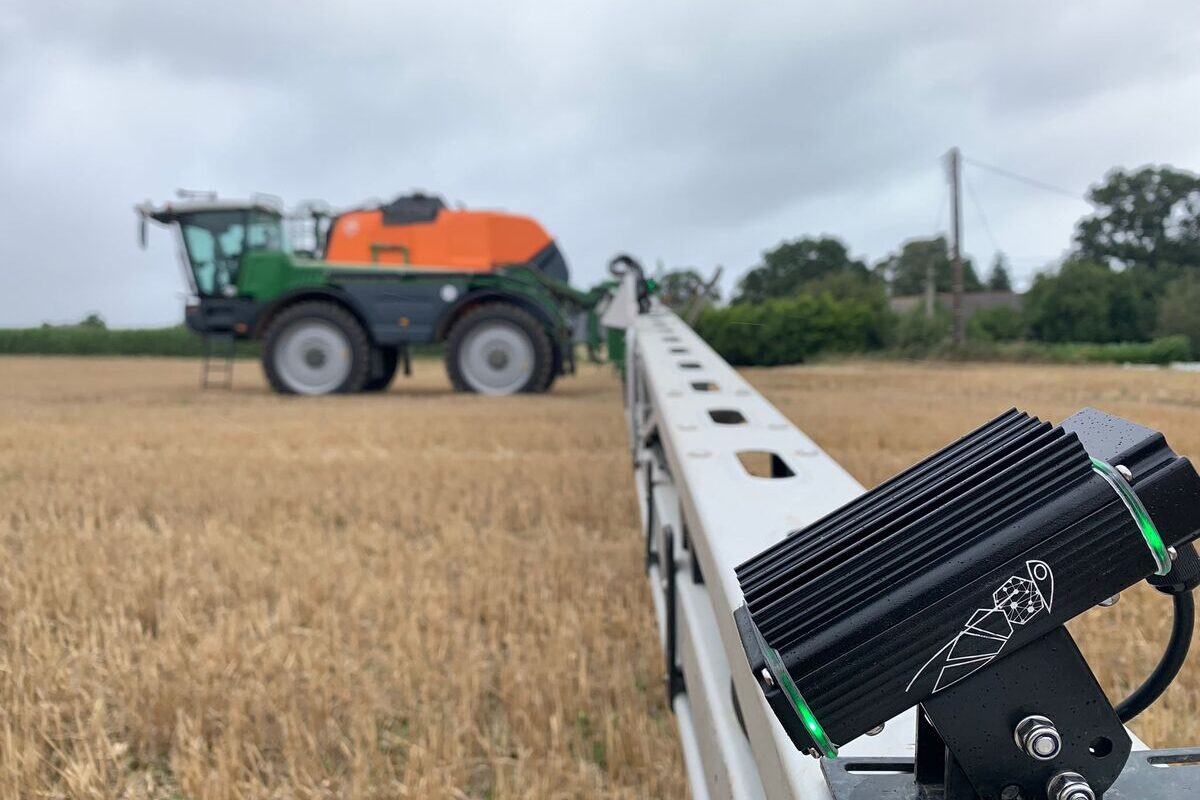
(497, 349)
(551, 374)
(383, 368)
(316, 348)
(545, 387)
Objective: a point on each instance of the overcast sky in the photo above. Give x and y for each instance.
(699, 133)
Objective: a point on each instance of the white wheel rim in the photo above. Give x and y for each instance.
(496, 358)
(313, 357)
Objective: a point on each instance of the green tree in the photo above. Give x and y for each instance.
(1150, 217)
(906, 271)
(850, 285)
(1090, 302)
(999, 324)
(916, 332)
(93, 320)
(1179, 310)
(788, 269)
(998, 279)
(789, 330)
(678, 288)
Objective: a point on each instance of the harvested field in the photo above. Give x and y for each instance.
(238, 595)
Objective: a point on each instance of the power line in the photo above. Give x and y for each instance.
(982, 216)
(1027, 258)
(937, 223)
(1034, 182)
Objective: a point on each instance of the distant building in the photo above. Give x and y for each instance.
(972, 301)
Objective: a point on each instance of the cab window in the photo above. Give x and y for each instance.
(266, 232)
(215, 241)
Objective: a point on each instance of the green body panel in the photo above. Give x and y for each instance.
(267, 276)
(616, 348)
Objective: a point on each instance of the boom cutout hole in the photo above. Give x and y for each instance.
(689, 365)
(679, 350)
(1101, 747)
(879, 768)
(705, 386)
(764, 464)
(1181, 760)
(726, 416)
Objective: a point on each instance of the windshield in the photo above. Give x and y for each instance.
(216, 240)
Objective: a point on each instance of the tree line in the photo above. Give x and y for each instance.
(1132, 276)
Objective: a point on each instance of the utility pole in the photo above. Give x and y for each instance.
(930, 289)
(960, 320)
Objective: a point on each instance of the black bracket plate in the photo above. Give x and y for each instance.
(973, 723)
(1148, 775)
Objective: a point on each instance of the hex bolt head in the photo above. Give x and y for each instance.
(1069, 786)
(1011, 792)
(878, 729)
(1125, 472)
(1037, 737)
(767, 677)
(1112, 601)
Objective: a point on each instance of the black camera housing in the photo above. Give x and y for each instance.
(951, 567)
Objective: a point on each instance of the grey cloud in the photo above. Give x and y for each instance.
(695, 132)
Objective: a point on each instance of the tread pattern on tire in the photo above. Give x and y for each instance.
(554, 371)
(543, 358)
(390, 358)
(360, 345)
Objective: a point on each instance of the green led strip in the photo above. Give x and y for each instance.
(784, 679)
(1154, 540)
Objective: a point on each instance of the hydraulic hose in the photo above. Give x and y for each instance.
(622, 263)
(1170, 663)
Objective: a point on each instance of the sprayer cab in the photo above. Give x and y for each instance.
(216, 235)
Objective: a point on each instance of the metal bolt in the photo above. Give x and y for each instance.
(1125, 472)
(1112, 601)
(1011, 792)
(767, 677)
(812, 751)
(1038, 738)
(1173, 553)
(878, 729)
(1069, 786)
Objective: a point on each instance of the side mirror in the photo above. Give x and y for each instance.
(143, 210)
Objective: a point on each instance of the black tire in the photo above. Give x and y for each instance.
(383, 363)
(336, 336)
(510, 325)
(555, 371)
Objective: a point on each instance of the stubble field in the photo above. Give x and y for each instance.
(423, 594)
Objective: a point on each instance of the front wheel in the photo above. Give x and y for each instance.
(498, 349)
(316, 348)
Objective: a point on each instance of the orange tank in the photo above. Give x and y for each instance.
(421, 231)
